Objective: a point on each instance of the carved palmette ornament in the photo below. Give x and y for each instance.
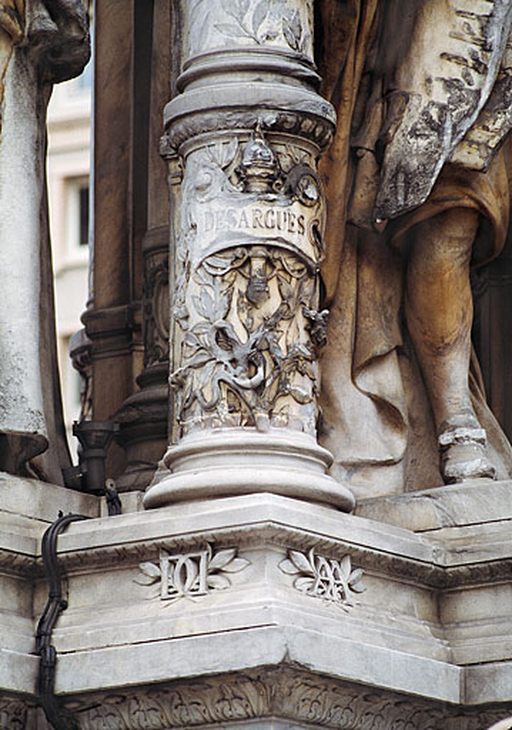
(247, 298)
(188, 575)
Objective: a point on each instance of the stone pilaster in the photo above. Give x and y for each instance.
(248, 128)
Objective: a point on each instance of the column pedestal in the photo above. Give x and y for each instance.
(239, 461)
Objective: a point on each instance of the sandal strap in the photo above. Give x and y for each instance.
(462, 435)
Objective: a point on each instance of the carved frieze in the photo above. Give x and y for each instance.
(285, 693)
(192, 574)
(13, 713)
(248, 289)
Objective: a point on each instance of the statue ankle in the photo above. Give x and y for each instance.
(463, 450)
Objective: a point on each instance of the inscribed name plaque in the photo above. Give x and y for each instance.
(248, 251)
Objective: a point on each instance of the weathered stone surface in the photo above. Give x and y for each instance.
(396, 392)
(40, 44)
(261, 580)
(471, 503)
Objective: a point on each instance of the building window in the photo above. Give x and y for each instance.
(84, 81)
(83, 207)
(77, 214)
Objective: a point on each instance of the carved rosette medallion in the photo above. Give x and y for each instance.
(248, 295)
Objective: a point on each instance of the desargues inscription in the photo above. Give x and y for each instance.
(248, 294)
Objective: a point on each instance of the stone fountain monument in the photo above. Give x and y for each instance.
(297, 205)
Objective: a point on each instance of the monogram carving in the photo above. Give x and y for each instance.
(248, 289)
(192, 574)
(326, 578)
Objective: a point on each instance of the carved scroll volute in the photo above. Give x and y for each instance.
(246, 314)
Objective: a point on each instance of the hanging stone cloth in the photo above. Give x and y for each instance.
(41, 43)
(376, 415)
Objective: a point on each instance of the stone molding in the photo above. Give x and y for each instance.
(282, 693)
(113, 330)
(18, 563)
(432, 569)
(191, 124)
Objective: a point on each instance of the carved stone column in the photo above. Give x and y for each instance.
(246, 315)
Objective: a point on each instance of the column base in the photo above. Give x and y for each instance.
(231, 462)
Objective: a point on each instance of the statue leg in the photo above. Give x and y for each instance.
(439, 312)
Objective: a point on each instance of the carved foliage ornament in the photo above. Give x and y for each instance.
(247, 296)
(326, 578)
(193, 574)
(282, 693)
(156, 309)
(270, 23)
(13, 713)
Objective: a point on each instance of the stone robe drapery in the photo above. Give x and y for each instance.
(40, 43)
(376, 417)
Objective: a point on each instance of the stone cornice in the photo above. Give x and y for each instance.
(376, 548)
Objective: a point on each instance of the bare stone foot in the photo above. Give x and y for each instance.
(463, 450)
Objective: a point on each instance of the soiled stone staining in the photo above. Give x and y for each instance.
(455, 90)
(326, 578)
(192, 574)
(248, 288)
